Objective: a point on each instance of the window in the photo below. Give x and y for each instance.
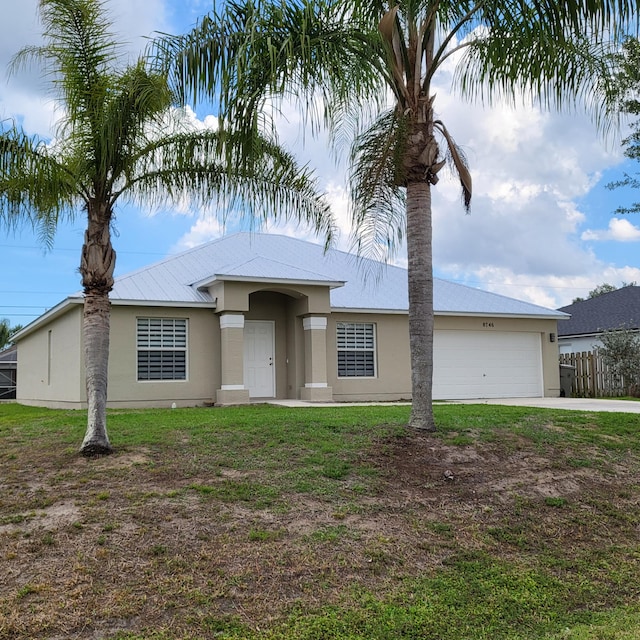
(162, 349)
(356, 350)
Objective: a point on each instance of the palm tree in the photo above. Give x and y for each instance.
(118, 139)
(366, 69)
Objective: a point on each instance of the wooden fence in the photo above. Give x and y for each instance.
(593, 378)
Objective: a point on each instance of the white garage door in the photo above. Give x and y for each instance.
(486, 364)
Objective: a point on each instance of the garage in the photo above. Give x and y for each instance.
(487, 364)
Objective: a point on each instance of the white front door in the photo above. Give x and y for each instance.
(259, 365)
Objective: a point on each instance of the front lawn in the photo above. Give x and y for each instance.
(269, 523)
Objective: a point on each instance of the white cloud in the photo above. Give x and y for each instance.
(529, 169)
(204, 230)
(548, 291)
(619, 230)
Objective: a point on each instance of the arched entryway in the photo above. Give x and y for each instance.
(274, 345)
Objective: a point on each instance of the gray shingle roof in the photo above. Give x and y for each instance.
(613, 310)
(368, 285)
(9, 355)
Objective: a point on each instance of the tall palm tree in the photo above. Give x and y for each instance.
(366, 68)
(118, 139)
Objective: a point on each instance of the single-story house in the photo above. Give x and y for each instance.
(8, 369)
(590, 318)
(252, 316)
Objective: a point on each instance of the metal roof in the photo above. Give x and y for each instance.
(356, 284)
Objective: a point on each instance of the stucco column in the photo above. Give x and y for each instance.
(315, 387)
(232, 390)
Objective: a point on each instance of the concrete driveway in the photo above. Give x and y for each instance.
(576, 404)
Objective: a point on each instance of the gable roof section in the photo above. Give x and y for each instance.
(613, 310)
(268, 270)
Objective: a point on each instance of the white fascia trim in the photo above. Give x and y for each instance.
(316, 385)
(176, 304)
(232, 321)
(314, 322)
(399, 312)
(60, 309)
(232, 387)
(469, 314)
(497, 314)
(64, 306)
(572, 336)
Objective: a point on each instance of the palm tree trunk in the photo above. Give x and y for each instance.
(420, 270)
(96, 267)
(95, 325)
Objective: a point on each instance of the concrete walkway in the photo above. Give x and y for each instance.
(575, 404)
(302, 403)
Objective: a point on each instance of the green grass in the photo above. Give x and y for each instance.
(272, 523)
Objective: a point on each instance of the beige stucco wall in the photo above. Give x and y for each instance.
(305, 299)
(59, 381)
(203, 361)
(51, 363)
(51, 371)
(393, 380)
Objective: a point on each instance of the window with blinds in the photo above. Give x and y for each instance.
(162, 348)
(356, 350)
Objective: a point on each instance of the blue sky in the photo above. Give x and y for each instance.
(542, 226)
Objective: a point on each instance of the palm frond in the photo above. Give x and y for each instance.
(390, 29)
(557, 56)
(78, 53)
(209, 167)
(456, 158)
(376, 181)
(137, 108)
(35, 188)
(251, 52)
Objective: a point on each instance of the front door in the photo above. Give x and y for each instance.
(259, 366)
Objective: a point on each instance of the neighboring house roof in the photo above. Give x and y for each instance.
(356, 284)
(613, 310)
(9, 356)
